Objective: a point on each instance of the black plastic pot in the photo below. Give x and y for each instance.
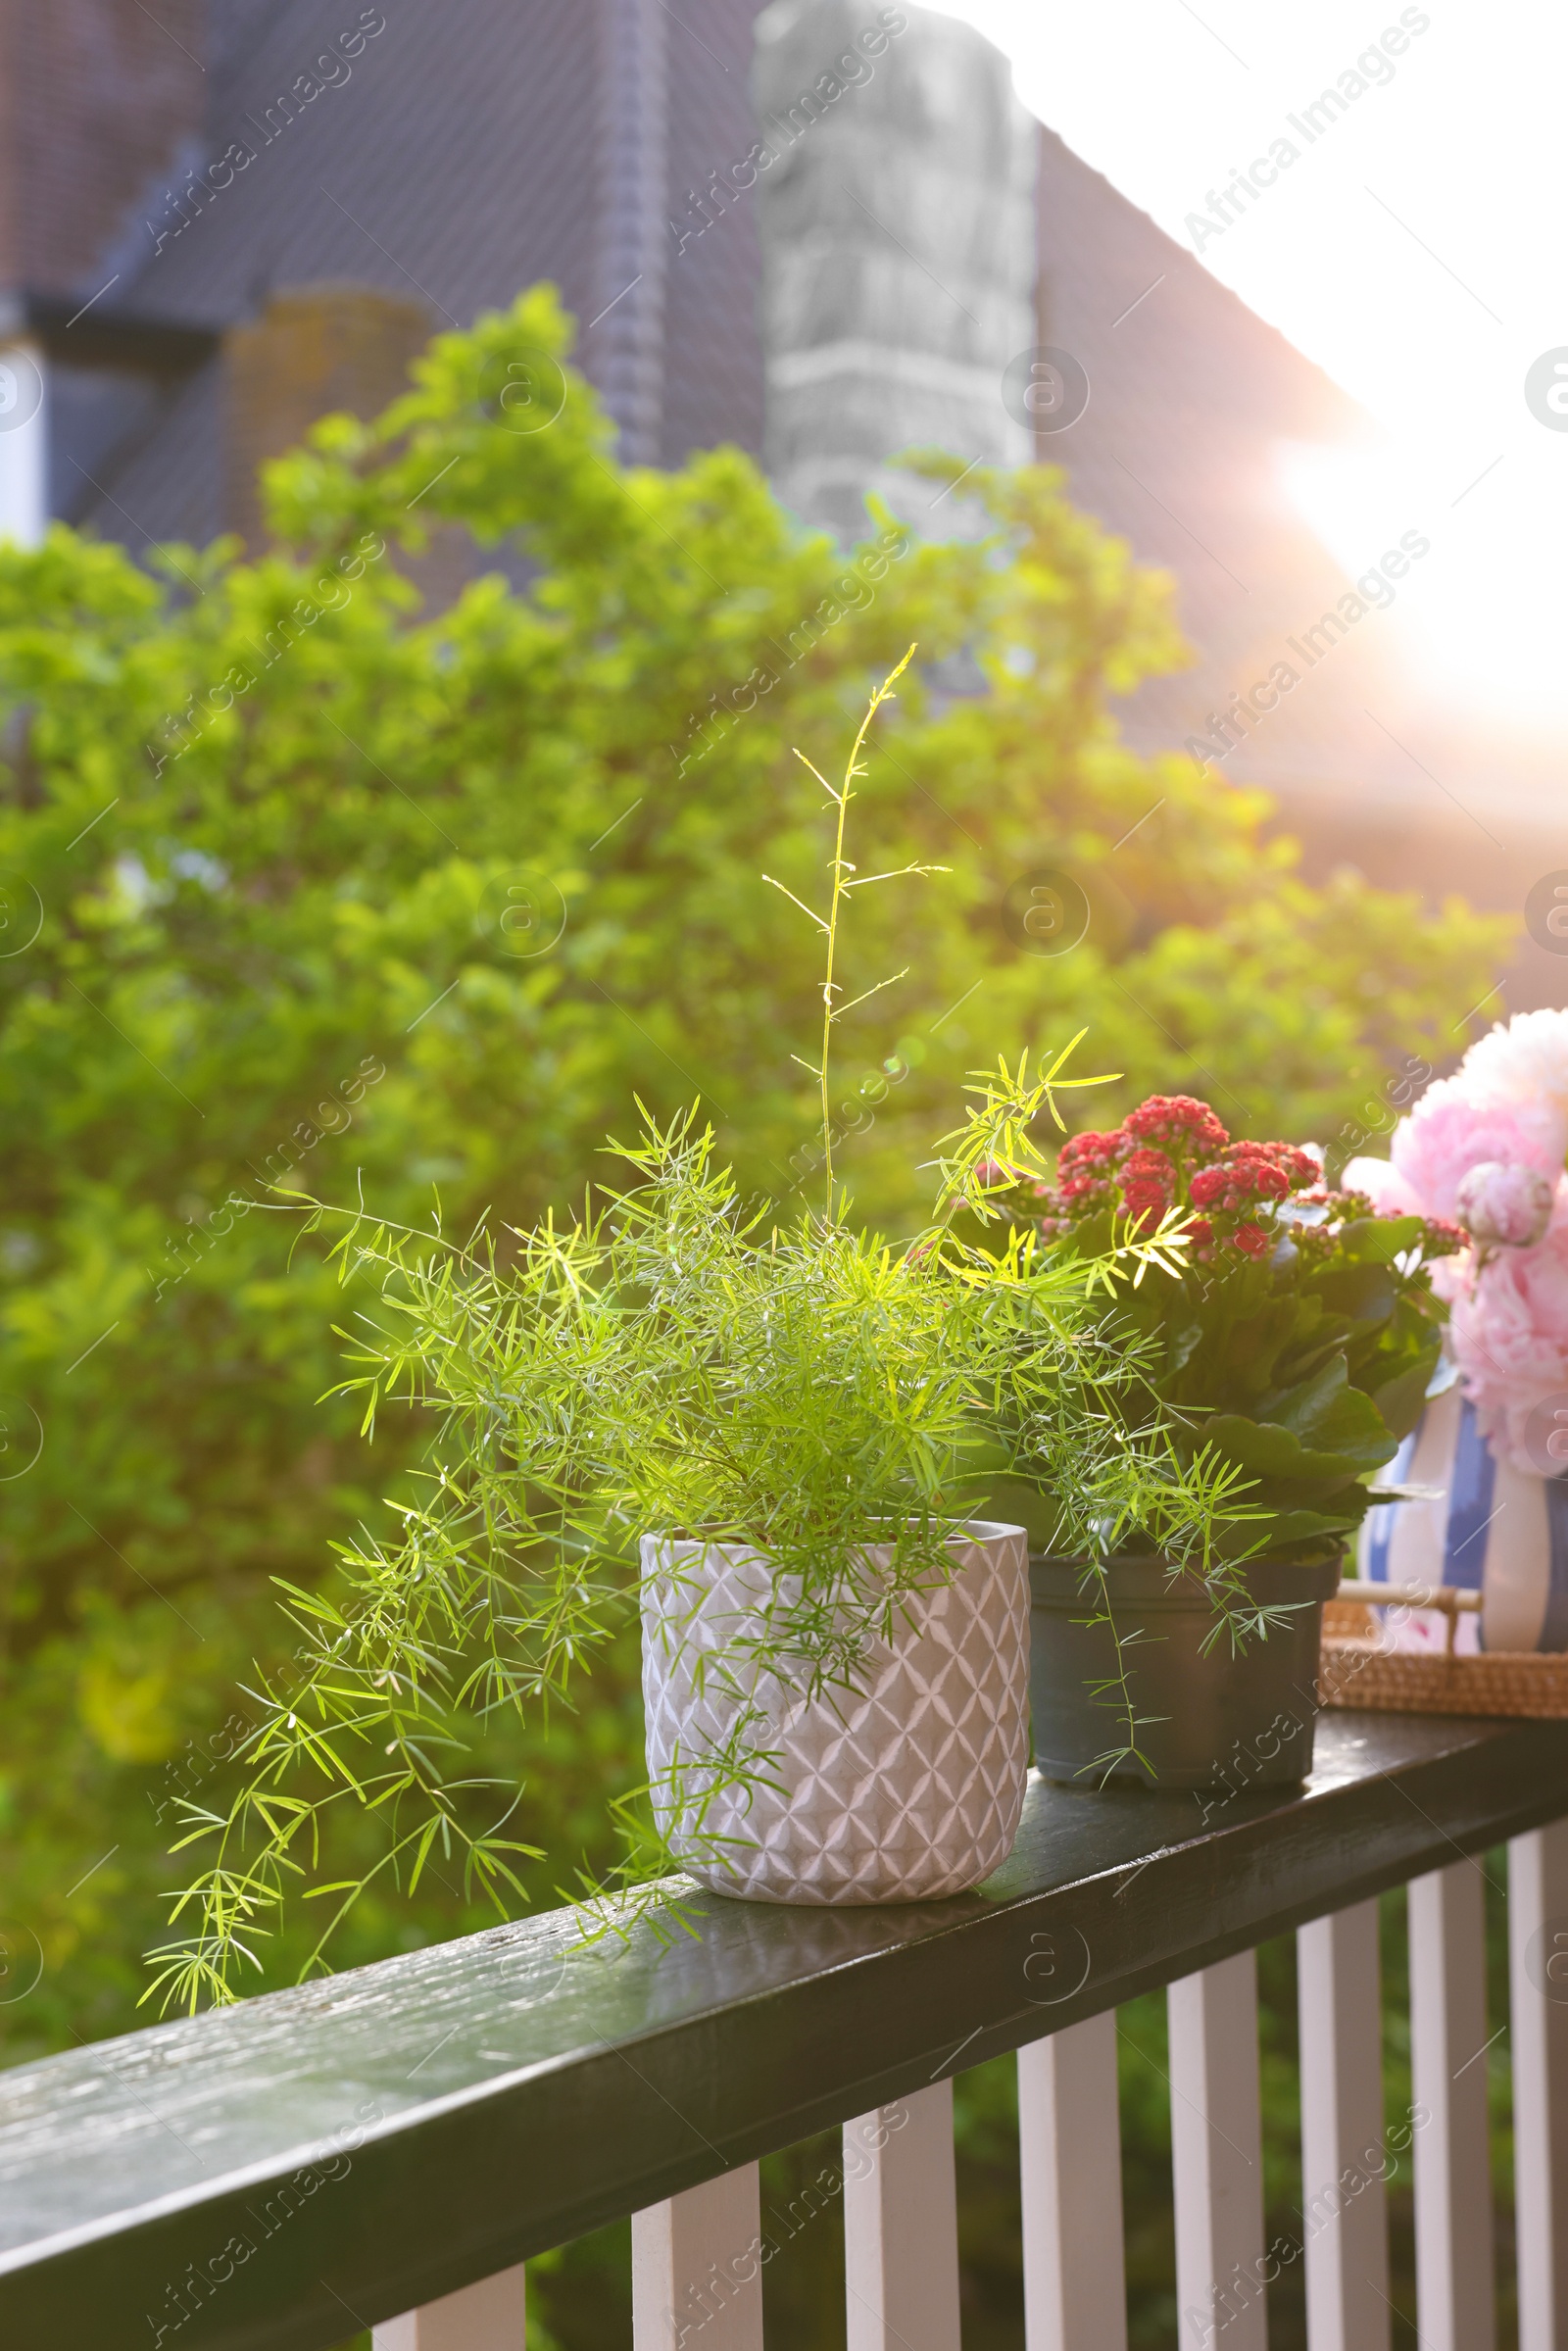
(1225, 1723)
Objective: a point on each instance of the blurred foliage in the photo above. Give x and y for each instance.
(259, 821)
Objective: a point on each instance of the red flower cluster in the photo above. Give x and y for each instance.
(1172, 1151)
(1086, 1168)
(1233, 1187)
(1147, 1185)
(1179, 1122)
(1298, 1166)
(1252, 1171)
(1089, 1153)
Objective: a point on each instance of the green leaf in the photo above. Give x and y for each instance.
(1362, 1291)
(1379, 1239)
(1323, 1430)
(1401, 1400)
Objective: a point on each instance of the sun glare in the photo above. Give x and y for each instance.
(1481, 624)
(1431, 295)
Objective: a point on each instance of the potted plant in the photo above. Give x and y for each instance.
(759, 1432)
(1290, 1349)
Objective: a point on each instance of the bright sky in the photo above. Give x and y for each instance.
(1418, 250)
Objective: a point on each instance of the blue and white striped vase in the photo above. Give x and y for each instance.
(1494, 1528)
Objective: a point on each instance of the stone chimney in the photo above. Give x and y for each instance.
(897, 223)
(313, 350)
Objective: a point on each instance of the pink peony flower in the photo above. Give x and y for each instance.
(1508, 1330)
(1487, 1146)
(1525, 1061)
(1505, 1206)
(1447, 1133)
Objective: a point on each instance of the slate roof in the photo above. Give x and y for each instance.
(456, 163)
(448, 162)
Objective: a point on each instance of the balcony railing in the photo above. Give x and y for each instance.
(387, 2147)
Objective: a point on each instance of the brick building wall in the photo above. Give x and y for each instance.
(97, 99)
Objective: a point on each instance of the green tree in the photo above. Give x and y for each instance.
(311, 881)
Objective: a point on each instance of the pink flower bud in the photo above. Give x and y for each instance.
(1503, 1204)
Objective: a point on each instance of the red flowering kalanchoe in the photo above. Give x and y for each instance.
(1086, 1181)
(1173, 1153)
(1245, 1173)
(1090, 1155)
(1178, 1123)
(1292, 1337)
(1147, 1185)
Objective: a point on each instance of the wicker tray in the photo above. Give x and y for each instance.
(1356, 1670)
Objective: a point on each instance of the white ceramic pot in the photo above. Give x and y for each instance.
(902, 1790)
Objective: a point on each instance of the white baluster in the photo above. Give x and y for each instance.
(1449, 2069)
(492, 2316)
(1537, 1942)
(900, 2226)
(1344, 2158)
(1069, 2147)
(697, 2268)
(1217, 2157)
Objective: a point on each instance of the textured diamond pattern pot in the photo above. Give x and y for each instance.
(901, 1791)
(1218, 1721)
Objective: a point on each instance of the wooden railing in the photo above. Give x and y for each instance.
(386, 2148)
